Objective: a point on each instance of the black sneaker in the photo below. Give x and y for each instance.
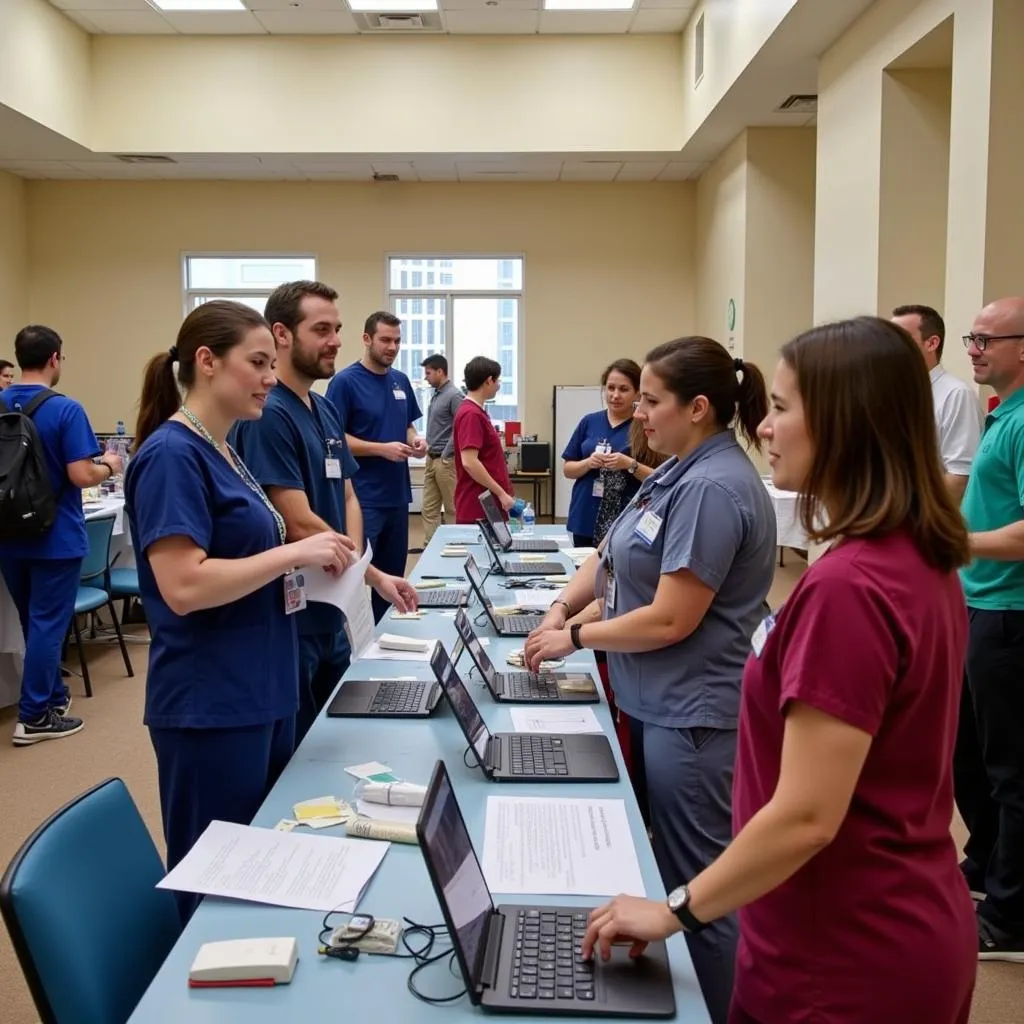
(995, 944)
(50, 727)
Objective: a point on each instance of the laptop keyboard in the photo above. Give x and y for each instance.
(536, 755)
(538, 544)
(398, 698)
(548, 963)
(521, 624)
(449, 597)
(525, 684)
(533, 568)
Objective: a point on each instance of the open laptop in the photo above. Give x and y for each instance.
(524, 756)
(385, 698)
(523, 687)
(527, 958)
(443, 597)
(501, 532)
(509, 567)
(506, 625)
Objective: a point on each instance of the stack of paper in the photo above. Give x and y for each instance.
(542, 599)
(554, 720)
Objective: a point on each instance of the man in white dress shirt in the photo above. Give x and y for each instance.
(958, 414)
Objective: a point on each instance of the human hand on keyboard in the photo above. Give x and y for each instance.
(546, 645)
(628, 918)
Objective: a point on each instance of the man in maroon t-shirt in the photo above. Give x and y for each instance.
(479, 456)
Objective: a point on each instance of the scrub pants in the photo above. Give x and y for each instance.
(323, 659)
(215, 774)
(43, 590)
(387, 530)
(687, 774)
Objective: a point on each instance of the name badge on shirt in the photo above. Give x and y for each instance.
(399, 394)
(760, 637)
(648, 527)
(294, 593)
(332, 468)
(609, 594)
(598, 491)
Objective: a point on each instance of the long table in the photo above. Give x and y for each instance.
(375, 987)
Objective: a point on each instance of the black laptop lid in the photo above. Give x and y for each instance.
(476, 581)
(472, 725)
(476, 649)
(496, 519)
(456, 876)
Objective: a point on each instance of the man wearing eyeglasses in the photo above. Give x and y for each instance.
(989, 760)
(958, 417)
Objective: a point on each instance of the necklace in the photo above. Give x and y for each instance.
(239, 467)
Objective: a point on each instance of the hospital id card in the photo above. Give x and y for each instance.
(294, 592)
(399, 394)
(332, 468)
(648, 527)
(760, 637)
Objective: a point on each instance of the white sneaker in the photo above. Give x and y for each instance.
(50, 727)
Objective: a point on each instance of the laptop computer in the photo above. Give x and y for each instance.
(385, 698)
(506, 625)
(524, 756)
(443, 597)
(526, 958)
(501, 532)
(523, 687)
(508, 567)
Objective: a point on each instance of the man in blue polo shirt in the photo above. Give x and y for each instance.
(298, 453)
(42, 574)
(989, 759)
(379, 407)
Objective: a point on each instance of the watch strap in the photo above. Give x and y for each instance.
(686, 916)
(574, 636)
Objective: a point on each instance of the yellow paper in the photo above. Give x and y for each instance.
(319, 807)
(533, 558)
(428, 584)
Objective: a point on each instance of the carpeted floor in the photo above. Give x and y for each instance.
(34, 781)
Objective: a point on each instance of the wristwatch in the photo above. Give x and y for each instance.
(633, 467)
(574, 636)
(679, 904)
(564, 604)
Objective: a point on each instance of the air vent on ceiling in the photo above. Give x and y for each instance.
(143, 158)
(374, 22)
(799, 103)
(698, 50)
(377, 176)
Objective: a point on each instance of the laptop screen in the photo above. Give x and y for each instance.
(496, 519)
(476, 581)
(455, 871)
(462, 704)
(469, 639)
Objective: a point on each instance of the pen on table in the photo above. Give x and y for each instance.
(442, 577)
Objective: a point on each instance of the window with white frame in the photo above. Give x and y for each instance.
(245, 278)
(461, 307)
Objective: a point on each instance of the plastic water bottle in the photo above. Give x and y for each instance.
(529, 519)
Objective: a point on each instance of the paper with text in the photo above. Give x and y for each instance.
(347, 592)
(542, 599)
(550, 846)
(407, 815)
(285, 869)
(554, 720)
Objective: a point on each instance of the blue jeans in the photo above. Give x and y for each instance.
(43, 590)
(323, 660)
(387, 530)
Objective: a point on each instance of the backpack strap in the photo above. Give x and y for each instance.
(37, 400)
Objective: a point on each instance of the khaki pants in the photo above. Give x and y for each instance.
(438, 489)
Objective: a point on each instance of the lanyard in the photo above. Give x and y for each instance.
(239, 467)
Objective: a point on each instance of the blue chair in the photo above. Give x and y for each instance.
(123, 585)
(92, 593)
(79, 899)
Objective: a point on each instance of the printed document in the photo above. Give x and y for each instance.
(542, 599)
(554, 720)
(347, 592)
(549, 846)
(285, 869)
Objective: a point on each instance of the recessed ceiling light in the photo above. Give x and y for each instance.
(392, 6)
(589, 5)
(198, 5)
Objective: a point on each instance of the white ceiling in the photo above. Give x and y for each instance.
(309, 17)
(321, 167)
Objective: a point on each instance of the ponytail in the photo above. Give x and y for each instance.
(160, 396)
(751, 401)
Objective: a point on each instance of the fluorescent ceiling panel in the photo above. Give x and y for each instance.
(392, 6)
(589, 5)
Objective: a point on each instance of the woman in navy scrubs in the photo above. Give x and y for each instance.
(222, 688)
(600, 444)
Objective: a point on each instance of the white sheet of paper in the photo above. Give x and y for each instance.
(542, 599)
(374, 652)
(286, 869)
(565, 847)
(347, 592)
(556, 720)
(410, 815)
(579, 553)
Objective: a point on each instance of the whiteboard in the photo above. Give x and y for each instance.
(570, 404)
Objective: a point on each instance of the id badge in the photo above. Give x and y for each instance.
(332, 468)
(648, 527)
(399, 394)
(294, 593)
(760, 637)
(598, 491)
(609, 594)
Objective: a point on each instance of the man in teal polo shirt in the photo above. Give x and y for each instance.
(989, 762)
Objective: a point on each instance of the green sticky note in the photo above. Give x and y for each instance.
(382, 777)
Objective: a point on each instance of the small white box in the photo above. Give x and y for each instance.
(245, 960)
(394, 642)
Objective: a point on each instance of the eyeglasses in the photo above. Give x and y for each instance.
(980, 341)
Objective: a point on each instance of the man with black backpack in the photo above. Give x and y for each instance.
(47, 449)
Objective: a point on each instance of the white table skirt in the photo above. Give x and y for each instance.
(787, 522)
(12, 643)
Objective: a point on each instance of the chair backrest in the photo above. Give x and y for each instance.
(88, 924)
(95, 564)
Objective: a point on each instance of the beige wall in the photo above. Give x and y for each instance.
(13, 261)
(609, 268)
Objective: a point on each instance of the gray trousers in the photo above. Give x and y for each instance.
(688, 778)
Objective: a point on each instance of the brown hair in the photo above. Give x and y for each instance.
(629, 368)
(285, 303)
(868, 408)
(640, 449)
(932, 325)
(218, 326)
(701, 366)
(374, 320)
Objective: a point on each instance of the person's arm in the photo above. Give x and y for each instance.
(86, 473)
(578, 597)
(475, 468)
(956, 484)
(581, 467)
(78, 446)
(960, 424)
(1003, 545)
(353, 516)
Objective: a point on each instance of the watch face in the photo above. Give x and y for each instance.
(678, 898)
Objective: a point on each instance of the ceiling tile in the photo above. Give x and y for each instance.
(659, 20)
(324, 172)
(403, 169)
(289, 5)
(502, 6)
(679, 171)
(131, 23)
(102, 5)
(428, 170)
(205, 23)
(640, 170)
(41, 169)
(307, 22)
(507, 170)
(82, 19)
(585, 22)
(491, 21)
(670, 5)
(590, 170)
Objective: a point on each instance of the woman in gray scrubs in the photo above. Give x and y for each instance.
(683, 574)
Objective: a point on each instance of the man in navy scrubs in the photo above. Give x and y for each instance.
(378, 407)
(297, 451)
(42, 574)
